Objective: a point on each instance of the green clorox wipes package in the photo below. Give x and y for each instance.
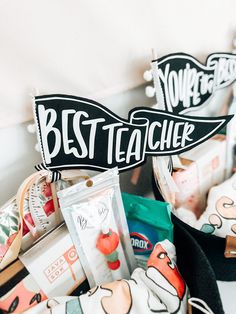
(149, 222)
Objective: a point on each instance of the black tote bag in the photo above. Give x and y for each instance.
(201, 261)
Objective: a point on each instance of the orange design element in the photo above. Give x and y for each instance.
(161, 261)
(71, 256)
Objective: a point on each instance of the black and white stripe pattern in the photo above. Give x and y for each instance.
(52, 175)
(40, 167)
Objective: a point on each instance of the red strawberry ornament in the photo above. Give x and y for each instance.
(108, 242)
(113, 265)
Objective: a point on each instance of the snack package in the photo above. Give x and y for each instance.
(162, 169)
(189, 195)
(159, 289)
(94, 213)
(149, 222)
(219, 217)
(54, 263)
(50, 268)
(205, 167)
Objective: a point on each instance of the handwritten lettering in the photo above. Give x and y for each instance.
(187, 84)
(77, 132)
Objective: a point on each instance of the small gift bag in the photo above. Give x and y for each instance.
(33, 212)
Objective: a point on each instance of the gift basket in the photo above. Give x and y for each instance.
(71, 241)
(67, 234)
(130, 261)
(200, 184)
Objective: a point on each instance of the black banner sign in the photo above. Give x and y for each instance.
(182, 83)
(79, 132)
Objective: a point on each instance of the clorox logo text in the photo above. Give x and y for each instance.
(140, 243)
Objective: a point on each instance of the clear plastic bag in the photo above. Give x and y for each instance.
(92, 209)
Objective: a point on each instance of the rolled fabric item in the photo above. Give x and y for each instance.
(159, 289)
(163, 278)
(44, 307)
(219, 218)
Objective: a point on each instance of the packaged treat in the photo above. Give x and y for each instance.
(204, 168)
(189, 195)
(162, 169)
(94, 213)
(54, 263)
(149, 222)
(50, 268)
